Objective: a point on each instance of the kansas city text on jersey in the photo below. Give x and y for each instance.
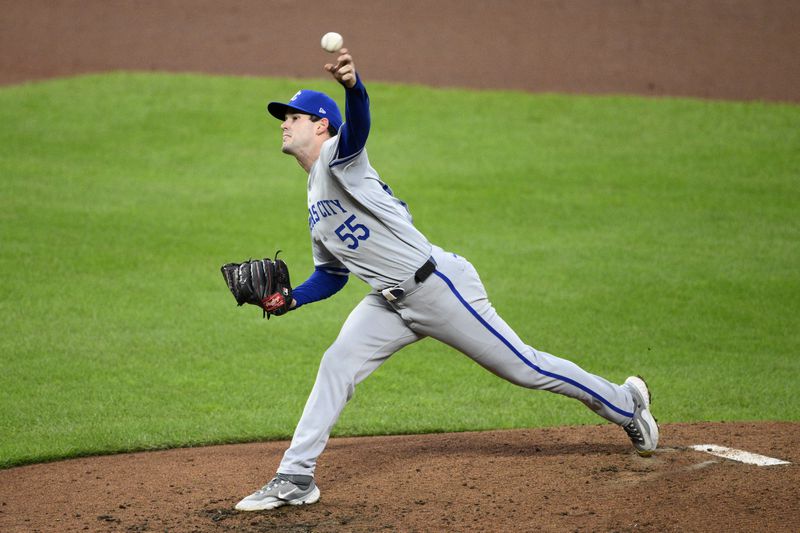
(323, 209)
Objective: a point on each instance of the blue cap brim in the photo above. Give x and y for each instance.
(278, 110)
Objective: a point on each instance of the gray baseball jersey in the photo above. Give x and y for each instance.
(357, 224)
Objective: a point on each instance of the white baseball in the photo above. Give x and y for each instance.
(332, 42)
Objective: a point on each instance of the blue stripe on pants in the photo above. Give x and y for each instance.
(522, 357)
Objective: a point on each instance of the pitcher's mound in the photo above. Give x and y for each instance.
(584, 478)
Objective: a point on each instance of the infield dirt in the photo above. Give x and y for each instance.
(583, 478)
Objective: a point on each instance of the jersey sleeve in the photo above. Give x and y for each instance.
(320, 285)
(354, 132)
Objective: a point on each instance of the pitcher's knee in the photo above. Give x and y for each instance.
(336, 374)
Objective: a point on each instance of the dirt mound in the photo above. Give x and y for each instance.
(583, 478)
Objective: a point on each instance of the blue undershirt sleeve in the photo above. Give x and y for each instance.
(355, 130)
(318, 286)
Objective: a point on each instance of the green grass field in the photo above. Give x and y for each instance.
(631, 235)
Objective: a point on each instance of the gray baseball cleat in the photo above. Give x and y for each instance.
(284, 489)
(643, 428)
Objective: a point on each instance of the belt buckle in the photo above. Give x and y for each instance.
(393, 293)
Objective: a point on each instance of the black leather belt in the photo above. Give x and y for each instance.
(425, 270)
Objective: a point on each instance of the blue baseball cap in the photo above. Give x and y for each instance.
(310, 103)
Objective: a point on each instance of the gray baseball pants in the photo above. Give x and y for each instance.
(451, 306)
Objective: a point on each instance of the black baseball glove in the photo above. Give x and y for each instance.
(261, 282)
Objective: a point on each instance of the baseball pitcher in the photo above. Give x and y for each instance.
(358, 227)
